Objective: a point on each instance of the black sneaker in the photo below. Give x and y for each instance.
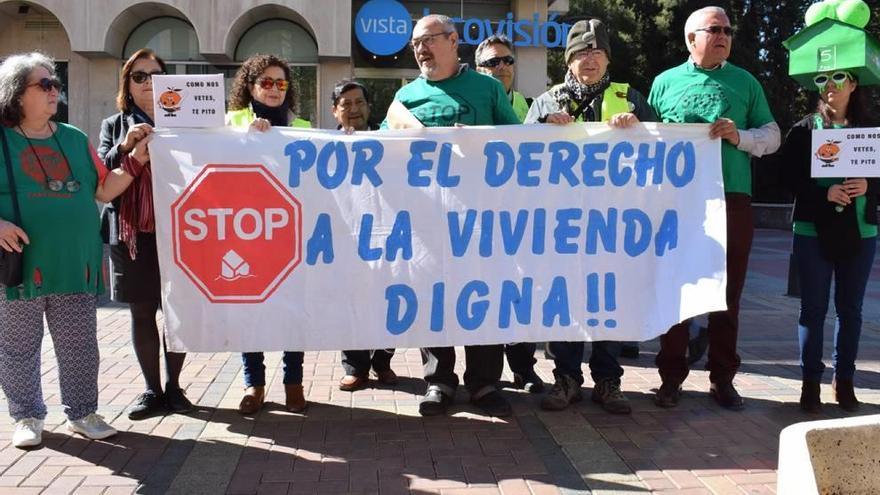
(530, 382)
(493, 404)
(176, 401)
(148, 404)
(434, 403)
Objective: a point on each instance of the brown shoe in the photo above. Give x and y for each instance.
(252, 401)
(844, 394)
(350, 383)
(387, 377)
(294, 400)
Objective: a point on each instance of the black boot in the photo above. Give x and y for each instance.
(810, 401)
(844, 394)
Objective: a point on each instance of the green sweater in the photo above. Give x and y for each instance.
(468, 98)
(689, 94)
(65, 250)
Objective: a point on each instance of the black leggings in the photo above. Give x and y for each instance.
(145, 338)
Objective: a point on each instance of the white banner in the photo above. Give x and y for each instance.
(841, 153)
(316, 240)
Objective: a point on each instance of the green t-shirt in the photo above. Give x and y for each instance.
(689, 94)
(65, 251)
(866, 230)
(468, 98)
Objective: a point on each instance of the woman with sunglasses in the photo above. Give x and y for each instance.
(50, 178)
(835, 235)
(262, 97)
(134, 263)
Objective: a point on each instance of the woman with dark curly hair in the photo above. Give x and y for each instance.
(134, 262)
(261, 97)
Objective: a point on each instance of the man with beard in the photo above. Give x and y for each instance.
(447, 94)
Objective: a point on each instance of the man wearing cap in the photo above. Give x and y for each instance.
(708, 89)
(588, 95)
(494, 57)
(448, 94)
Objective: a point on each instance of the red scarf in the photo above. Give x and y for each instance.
(136, 204)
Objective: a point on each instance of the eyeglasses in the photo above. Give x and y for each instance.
(838, 78)
(47, 83)
(589, 53)
(427, 40)
(496, 61)
(141, 77)
(716, 29)
(267, 83)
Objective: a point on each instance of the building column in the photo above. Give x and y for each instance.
(330, 71)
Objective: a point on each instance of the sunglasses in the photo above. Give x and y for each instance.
(727, 30)
(838, 78)
(141, 77)
(496, 61)
(47, 83)
(267, 83)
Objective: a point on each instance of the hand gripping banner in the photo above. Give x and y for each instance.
(316, 240)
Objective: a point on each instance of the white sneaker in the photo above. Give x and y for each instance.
(28, 432)
(92, 426)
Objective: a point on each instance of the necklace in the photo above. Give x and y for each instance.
(54, 185)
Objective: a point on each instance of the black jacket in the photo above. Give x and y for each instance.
(838, 231)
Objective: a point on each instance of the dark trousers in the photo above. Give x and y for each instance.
(521, 357)
(604, 364)
(255, 370)
(483, 366)
(850, 280)
(358, 363)
(723, 359)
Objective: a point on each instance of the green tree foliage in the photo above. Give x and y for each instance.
(647, 37)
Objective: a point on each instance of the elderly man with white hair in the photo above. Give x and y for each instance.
(709, 89)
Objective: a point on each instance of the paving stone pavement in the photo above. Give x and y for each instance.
(374, 441)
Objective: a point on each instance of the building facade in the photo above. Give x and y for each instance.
(325, 41)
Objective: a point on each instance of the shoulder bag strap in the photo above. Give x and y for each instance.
(11, 177)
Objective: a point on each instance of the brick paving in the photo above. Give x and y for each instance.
(374, 441)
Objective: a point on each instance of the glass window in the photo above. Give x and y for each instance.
(173, 39)
(279, 37)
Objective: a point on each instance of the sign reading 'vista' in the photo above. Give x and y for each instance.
(384, 27)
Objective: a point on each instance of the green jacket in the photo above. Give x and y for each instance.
(244, 117)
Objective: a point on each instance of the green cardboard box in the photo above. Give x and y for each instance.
(831, 45)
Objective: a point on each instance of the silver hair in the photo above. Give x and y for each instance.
(690, 26)
(14, 72)
(495, 39)
(446, 21)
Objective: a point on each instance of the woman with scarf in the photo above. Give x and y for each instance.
(588, 95)
(262, 97)
(134, 264)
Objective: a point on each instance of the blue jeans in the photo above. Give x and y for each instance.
(255, 370)
(850, 279)
(603, 360)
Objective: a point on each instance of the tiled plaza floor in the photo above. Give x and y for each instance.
(374, 441)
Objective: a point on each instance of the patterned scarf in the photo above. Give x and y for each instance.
(136, 204)
(573, 91)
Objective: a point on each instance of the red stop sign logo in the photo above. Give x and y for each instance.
(236, 233)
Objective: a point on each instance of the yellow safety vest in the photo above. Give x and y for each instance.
(244, 117)
(613, 101)
(520, 106)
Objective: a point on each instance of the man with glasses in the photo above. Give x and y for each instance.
(708, 89)
(448, 94)
(588, 95)
(494, 57)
